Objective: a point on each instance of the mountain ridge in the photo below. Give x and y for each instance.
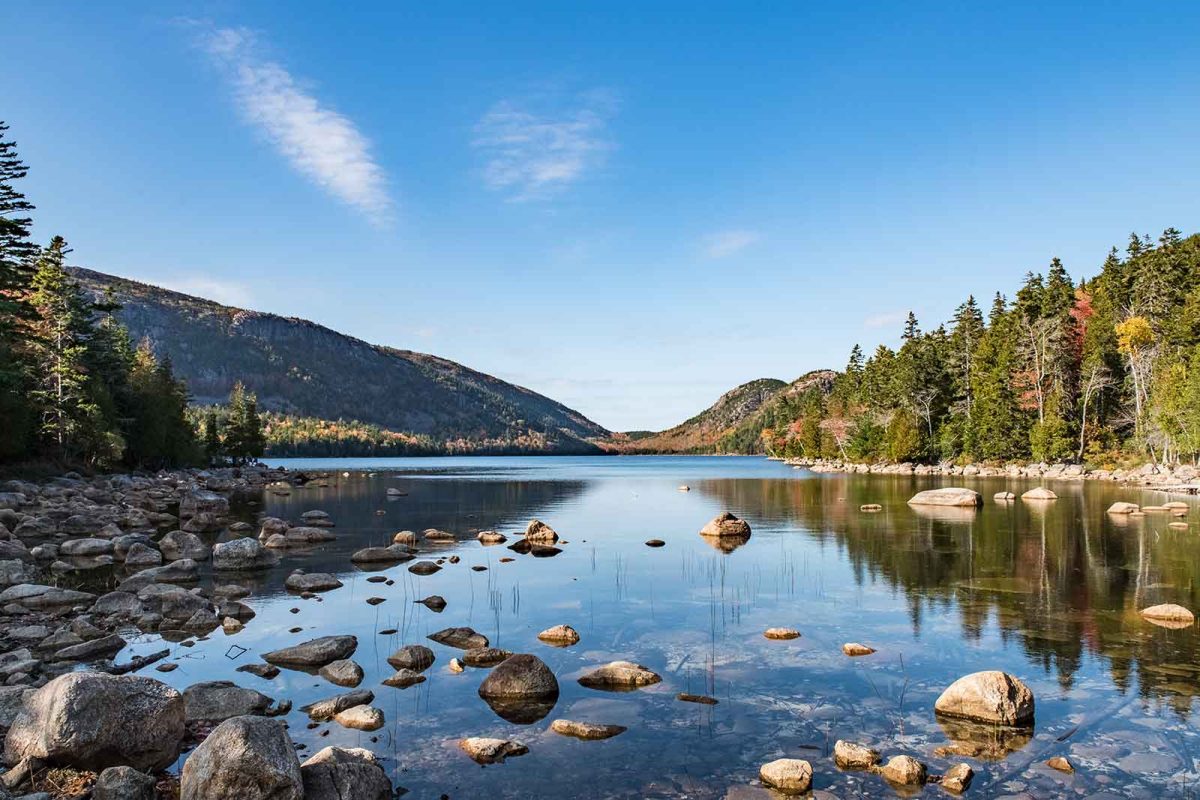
(303, 368)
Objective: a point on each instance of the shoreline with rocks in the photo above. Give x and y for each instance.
(1153, 476)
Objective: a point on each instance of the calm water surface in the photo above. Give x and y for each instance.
(1049, 593)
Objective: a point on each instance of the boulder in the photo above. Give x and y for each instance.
(1121, 507)
(435, 603)
(247, 758)
(201, 501)
(416, 657)
(43, 598)
(435, 535)
(78, 548)
(1169, 615)
(787, 775)
(560, 636)
(345, 774)
(1039, 493)
(272, 526)
(243, 555)
(360, 717)
(326, 709)
(142, 555)
(308, 535)
(522, 676)
(312, 582)
(103, 647)
(485, 656)
(181, 544)
(342, 672)
(217, 701)
(1003, 497)
(424, 568)
(491, 537)
(957, 778)
(491, 751)
(404, 678)
(855, 649)
(620, 675)
(462, 638)
(726, 525)
(91, 720)
(540, 532)
(124, 783)
(903, 771)
(990, 696)
(391, 554)
(851, 755)
(947, 496)
(313, 653)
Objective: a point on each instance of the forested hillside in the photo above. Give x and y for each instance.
(1102, 370)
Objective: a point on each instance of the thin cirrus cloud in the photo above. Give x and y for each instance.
(885, 319)
(533, 155)
(318, 142)
(723, 244)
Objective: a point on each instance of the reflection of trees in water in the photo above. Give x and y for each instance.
(1065, 578)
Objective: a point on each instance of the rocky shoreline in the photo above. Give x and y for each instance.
(1149, 475)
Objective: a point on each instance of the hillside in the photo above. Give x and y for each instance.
(741, 409)
(302, 369)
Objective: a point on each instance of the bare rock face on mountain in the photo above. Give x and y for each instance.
(302, 368)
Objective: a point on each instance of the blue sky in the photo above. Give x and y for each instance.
(630, 207)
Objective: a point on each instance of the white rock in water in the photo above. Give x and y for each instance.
(788, 775)
(988, 696)
(947, 496)
(1040, 493)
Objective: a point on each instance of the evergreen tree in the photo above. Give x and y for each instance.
(17, 253)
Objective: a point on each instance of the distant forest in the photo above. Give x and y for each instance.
(1104, 371)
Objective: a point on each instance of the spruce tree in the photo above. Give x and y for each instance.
(17, 253)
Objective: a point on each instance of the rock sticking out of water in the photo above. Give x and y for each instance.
(250, 758)
(957, 778)
(620, 675)
(726, 524)
(988, 696)
(856, 649)
(1039, 493)
(781, 633)
(1122, 507)
(313, 653)
(538, 532)
(904, 771)
(1061, 764)
(491, 751)
(851, 755)
(361, 718)
(560, 636)
(338, 774)
(702, 699)
(947, 496)
(462, 638)
(787, 775)
(342, 672)
(1169, 615)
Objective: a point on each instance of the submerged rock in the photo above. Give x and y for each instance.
(404, 678)
(248, 758)
(620, 675)
(435, 603)
(424, 568)
(392, 554)
(91, 720)
(1061, 764)
(1003, 497)
(947, 496)
(702, 699)
(485, 656)
(787, 775)
(586, 730)
(491, 751)
(345, 774)
(988, 696)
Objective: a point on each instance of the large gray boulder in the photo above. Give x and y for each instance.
(202, 502)
(37, 597)
(244, 758)
(314, 653)
(91, 720)
(345, 774)
(181, 544)
(243, 555)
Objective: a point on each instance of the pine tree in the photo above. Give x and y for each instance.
(17, 253)
(213, 447)
(69, 416)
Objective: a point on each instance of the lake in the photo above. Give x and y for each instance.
(1047, 592)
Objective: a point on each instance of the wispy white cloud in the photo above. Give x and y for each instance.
(318, 142)
(533, 155)
(725, 243)
(886, 318)
(228, 293)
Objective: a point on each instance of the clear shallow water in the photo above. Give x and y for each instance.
(1049, 593)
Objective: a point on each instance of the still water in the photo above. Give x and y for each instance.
(1049, 593)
